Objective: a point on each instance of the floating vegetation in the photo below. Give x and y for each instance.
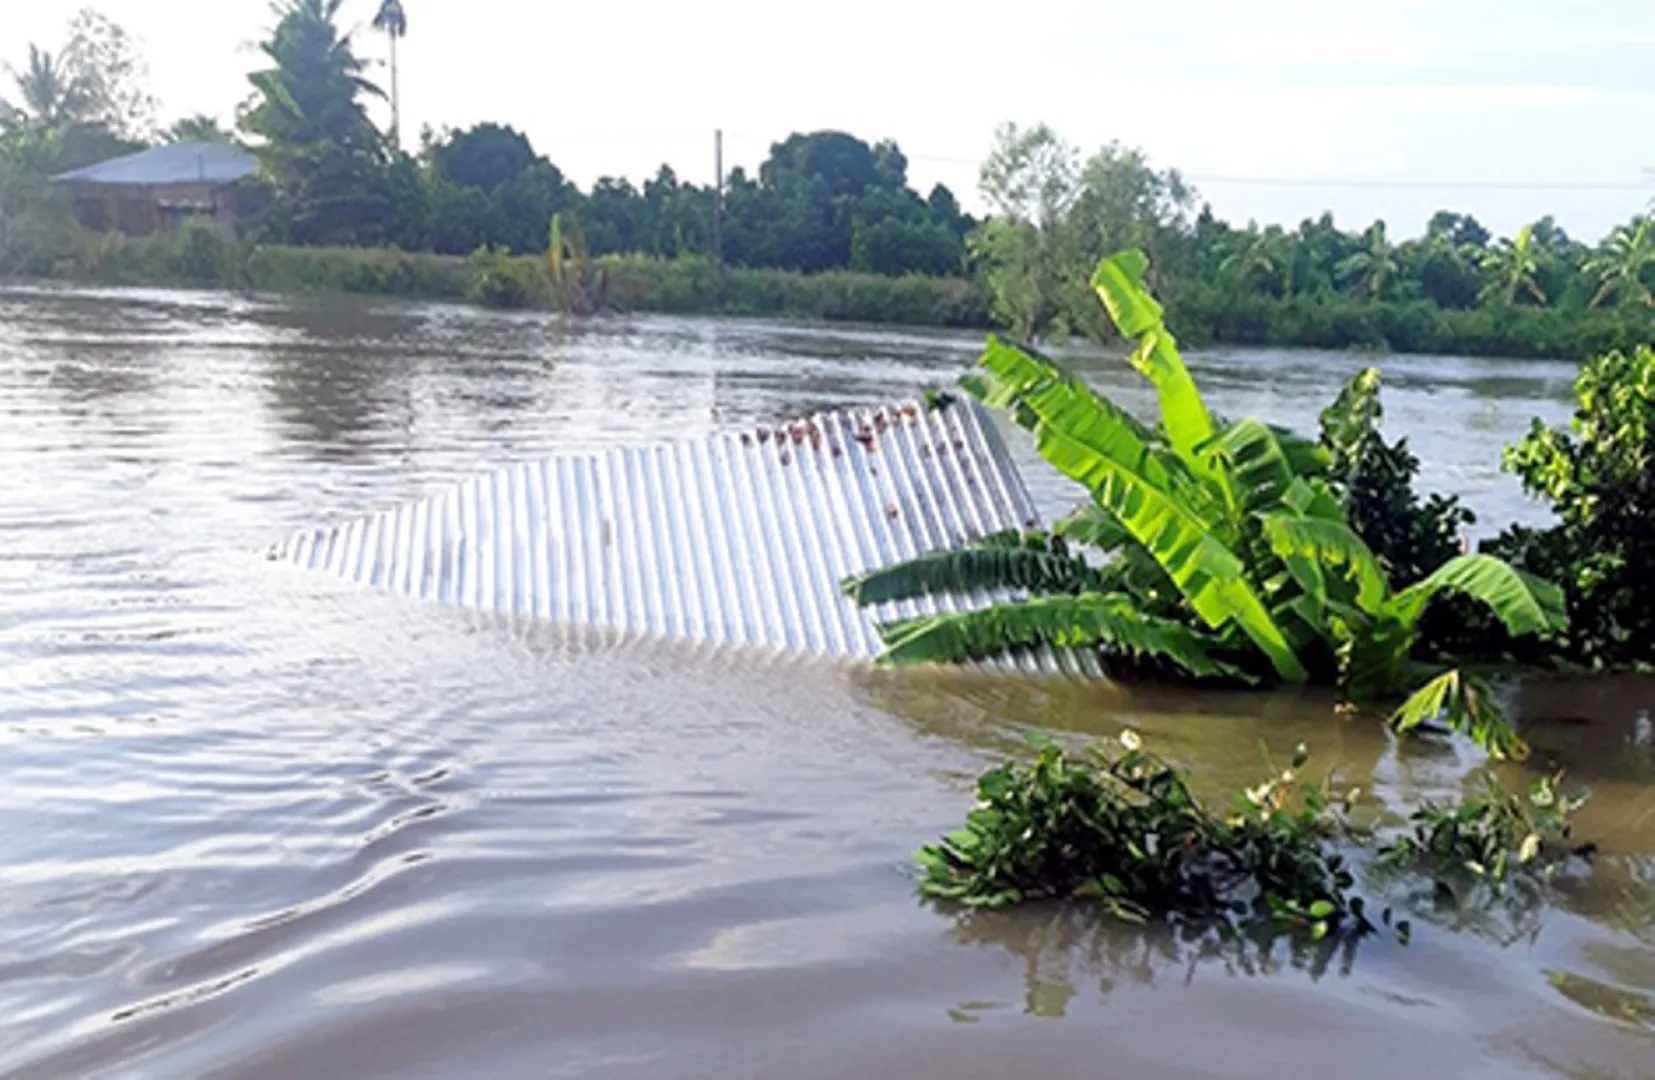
(1118, 826)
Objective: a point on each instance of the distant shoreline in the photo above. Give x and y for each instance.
(693, 286)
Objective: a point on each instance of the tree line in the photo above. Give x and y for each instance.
(1055, 214)
(828, 200)
(820, 201)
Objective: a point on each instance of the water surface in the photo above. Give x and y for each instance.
(258, 823)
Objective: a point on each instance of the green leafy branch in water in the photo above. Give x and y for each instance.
(1117, 825)
(1494, 840)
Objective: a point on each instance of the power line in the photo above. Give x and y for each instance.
(1430, 185)
(1375, 182)
(755, 142)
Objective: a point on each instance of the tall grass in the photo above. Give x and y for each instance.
(694, 285)
(199, 257)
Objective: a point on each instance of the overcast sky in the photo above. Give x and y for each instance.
(1339, 94)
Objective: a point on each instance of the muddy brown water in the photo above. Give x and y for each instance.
(254, 823)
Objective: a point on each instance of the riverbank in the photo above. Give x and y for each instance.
(694, 286)
(630, 283)
(1211, 316)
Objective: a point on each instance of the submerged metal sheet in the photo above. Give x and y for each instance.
(738, 539)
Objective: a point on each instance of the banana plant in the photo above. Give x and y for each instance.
(1222, 548)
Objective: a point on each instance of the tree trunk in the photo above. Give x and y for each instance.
(396, 101)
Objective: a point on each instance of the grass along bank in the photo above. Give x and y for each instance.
(198, 258)
(694, 286)
(1211, 315)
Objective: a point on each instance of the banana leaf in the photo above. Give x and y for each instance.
(1334, 544)
(982, 568)
(1109, 620)
(1118, 281)
(1525, 603)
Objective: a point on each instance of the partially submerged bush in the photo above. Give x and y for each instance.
(1598, 476)
(500, 281)
(1375, 481)
(1117, 825)
(1229, 548)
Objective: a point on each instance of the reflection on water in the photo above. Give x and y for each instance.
(263, 824)
(1062, 949)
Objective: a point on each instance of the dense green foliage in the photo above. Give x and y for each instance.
(821, 202)
(1375, 482)
(1228, 547)
(1453, 289)
(1117, 825)
(691, 285)
(1215, 312)
(1598, 476)
(499, 281)
(314, 141)
(1120, 826)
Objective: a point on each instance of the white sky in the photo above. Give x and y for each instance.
(1418, 91)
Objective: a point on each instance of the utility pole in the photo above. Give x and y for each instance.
(718, 196)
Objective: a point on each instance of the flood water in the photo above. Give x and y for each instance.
(258, 823)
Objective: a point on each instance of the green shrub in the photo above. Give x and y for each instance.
(378, 271)
(1375, 481)
(1598, 477)
(500, 281)
(1120, 826)
(1491, 840)
(692, 285)
(1228, 548)
(1116, 825)
(198, 255)
(1207, 314)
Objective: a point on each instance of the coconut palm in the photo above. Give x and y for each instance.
(1512, 268)
(1444, 271)
(1620, 263)
(1373, 267)
(51, 94)
(393, 22)
(311, 133)
(198, 128)
(1261, 258)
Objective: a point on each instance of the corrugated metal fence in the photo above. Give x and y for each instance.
(741, 538)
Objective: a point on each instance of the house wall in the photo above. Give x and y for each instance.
(139, 210)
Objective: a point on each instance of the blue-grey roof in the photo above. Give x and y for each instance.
(175, 163)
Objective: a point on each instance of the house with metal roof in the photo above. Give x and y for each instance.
(164, 187)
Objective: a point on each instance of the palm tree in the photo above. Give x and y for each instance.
(52, 96)
(1260, 259)
(1512, 267)
(393, 21)
(1372, 268)
(198, 128)
(1620, 263)
(311, 133)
